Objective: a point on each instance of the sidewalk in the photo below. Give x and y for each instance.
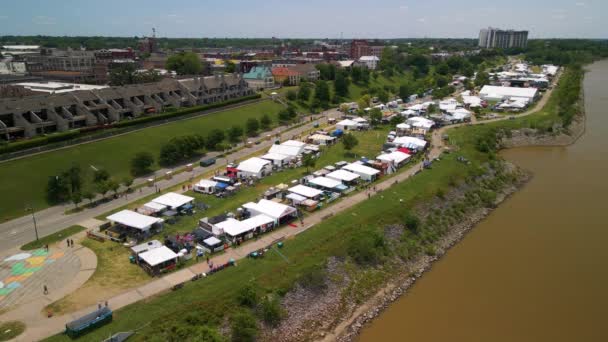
(19, 231)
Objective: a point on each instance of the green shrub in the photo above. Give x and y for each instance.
(271, 310)
(244, 326)
(367, 246)
(248, 294)
(314, 278)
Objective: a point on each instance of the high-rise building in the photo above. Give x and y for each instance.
(492, 38)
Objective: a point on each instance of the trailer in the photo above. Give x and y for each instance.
(88, 322)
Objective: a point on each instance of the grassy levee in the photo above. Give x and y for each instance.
(25, 179)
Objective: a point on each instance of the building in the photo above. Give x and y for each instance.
(292, 75)
(494, 93)
(46, 113)
(65, 65)
(493, 38)
(259, 78)
(370, 62)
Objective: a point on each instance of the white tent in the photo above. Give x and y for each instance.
(408, 112)
(146, 246)
(173, 200)
(396, 157)
(206, 186)
(359, 120)
(501, 93)
(134, 220)
(347, 124)
(158, 256)
(343, 176)
(153, 207)
(321, 139)
(325, 182)
(269, 208)
(420, 122)
(254, 167)
(460, 114)
(297, 199)
(403, 126)
(294, 143)
(277, 158)
(233, 227)
(305, 191)
(410, 142)
(367, 173)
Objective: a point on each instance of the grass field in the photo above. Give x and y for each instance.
(10, 330)
(55, 237)
(25, 179)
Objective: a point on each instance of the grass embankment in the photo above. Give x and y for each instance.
(25, 179)
(53, 238)
(115, 274)
(10, 330)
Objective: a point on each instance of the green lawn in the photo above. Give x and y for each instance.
(55, 237)
(25, 179)
(10, 330)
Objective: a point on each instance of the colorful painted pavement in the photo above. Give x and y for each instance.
(24, 275)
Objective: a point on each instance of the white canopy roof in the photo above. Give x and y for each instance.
(146, 246)
(270, 208)
(206, 183)
(507, 91)
(325, 182)
(348, 123)
(287, 150)
(235, 227)
(418, 121)
(361, 169)
(134, 220)
(157, 256)
(275, 156)
(359, 119)
(212, 241)
(155, 207)
(305, 191)
(408, 112)
(410, 142)
(173, 200)
(294, 143)
(403, 126)
(296, 198)
(321, 137)
(397, 157)
(343, 175)
(253, 165)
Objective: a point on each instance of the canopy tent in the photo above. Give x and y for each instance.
(343, 175)
(289, 148)
(134, 220)
(347, 124)
(153, 207)
(367, 173)
(253, 167)
(146, 246)
(173, 200)
(410, 142)
(305, 191)
(296, 199)
(325, 182)
(277, 158)
(403, 126)
(359, 120)
(420, 122)
(272, 209)
(395, 157)
(500, 93)
(294, 143)
(212, 241)
(158, 256)
(460, 114)
(321, 139)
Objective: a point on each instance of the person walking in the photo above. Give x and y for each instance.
(67, 241)
(45, 290)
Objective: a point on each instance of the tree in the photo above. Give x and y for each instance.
(215, 137)
(375, 116)
(57, 190)
(89, 195)
(265, 122)
(405, 91)
(235, 133)
(74, 178)
(100, 175)
(395, 120)
(251, 126)
(382, 96)
(482, 79)
(113, 186)
(327, 71)
(76, 198)
(412, 222)
(363, 102)
(102, 188)
(291, 95)
(388, 60)
(230, 67)
(322, 93)
(244, 327)
(127, 182)
(304, 92)
(341, 85)
(141, 163)
(122, 74)
(432, 108)
(185, 63)
(442, 68)
(349, 141)
(309, 161)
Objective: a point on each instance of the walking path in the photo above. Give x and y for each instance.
(19, 231)
(40, 327)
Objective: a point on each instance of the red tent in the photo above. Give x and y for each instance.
(405, 150)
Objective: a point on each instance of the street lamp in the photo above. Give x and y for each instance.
(34, 219)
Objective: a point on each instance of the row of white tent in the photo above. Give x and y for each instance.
(352, 124)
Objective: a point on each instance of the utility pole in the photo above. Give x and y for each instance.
(34, 219)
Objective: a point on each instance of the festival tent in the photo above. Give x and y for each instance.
(343, 176)
(173, 200)
(367, 173)
(411, 143)
(254, 167)
(325, 183)
(305, 191)
(279, 212)
(153, 207)
(206, 186)
(158, 256)
(277, 158)
(134, 220)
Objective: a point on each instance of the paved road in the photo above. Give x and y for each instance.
(16, 232)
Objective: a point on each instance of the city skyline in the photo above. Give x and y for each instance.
(350, 19)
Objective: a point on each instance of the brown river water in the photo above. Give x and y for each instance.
(537, 268)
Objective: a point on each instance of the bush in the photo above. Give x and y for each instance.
(271, 310)
(367, 246)
(314, 278)
(244, 327)
(248, 295)
(38, 141)
(141, 163)
(412, 222)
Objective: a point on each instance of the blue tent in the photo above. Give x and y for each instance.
(222, 186)
(337, 133)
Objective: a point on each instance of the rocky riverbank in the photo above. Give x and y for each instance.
(558, 137)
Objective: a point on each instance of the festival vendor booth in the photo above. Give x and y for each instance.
(176, 202)
(205, 186)
(236, 231)
(306, 191)
(144, 247)
(394, 160)
(346, 177)
(158, 260)
(209, 224)
(412, 143)
(321, 139)
(327, 184)
(367, 173)
(403, 129)
(132, 224)
(254, 167)
(152, 209)
(277, 159)
(347, 125)
(280, 213)
(211, 245)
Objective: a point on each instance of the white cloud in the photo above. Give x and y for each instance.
(172, 15)
(404, 7)
(421, 20)
(558, 16)
(580, 4)
(44, 20)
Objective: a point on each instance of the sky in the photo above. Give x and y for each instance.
(304, 19)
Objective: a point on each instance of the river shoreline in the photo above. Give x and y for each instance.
(349, 329)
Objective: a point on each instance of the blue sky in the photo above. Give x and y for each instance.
(304, 19)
